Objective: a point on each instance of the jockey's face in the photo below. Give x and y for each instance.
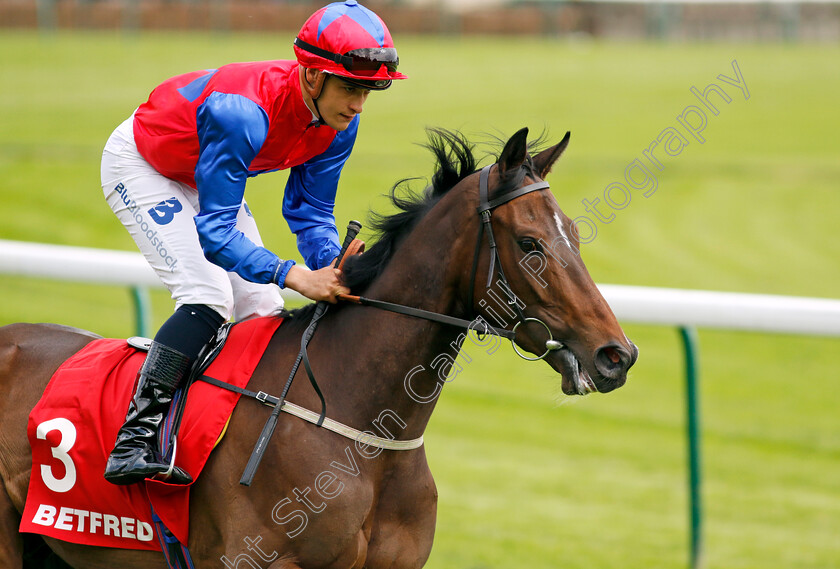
(340, 102)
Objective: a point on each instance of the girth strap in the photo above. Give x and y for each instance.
(363, 437)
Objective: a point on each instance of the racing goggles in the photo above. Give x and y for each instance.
(364, 62)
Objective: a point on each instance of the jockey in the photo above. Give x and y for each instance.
(174, 174)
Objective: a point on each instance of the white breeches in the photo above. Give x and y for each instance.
(158, 213)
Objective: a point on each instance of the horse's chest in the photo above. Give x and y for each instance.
(372, 525)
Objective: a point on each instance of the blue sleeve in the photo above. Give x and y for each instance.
(309, 200)
(231, 131)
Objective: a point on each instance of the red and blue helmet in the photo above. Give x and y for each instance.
(348, 40)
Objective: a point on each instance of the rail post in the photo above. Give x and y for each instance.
(142, 310)
(695, 498)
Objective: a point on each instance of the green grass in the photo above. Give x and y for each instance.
(528, 477)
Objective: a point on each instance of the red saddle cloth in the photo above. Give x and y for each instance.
(73, 428)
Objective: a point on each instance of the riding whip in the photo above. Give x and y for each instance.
(353, 229)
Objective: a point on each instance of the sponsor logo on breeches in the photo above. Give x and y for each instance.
(161, 214)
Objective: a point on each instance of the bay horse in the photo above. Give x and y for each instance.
(374, 367)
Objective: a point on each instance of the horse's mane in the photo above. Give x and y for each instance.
(455, 160)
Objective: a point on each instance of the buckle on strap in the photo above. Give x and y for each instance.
(171, 468)
(266, 399)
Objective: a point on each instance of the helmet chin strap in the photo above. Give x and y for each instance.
(314, 91)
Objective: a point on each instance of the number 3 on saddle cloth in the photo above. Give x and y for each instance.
(73, 427)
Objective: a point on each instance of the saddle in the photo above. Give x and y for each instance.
(73, 427)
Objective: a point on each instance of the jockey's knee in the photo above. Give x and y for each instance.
(189, 328)
(257, 300)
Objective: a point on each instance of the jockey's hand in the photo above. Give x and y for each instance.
(323, 284)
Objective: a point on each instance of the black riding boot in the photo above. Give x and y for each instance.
(136, 455)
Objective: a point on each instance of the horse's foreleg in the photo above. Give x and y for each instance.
(404, 524)
(11, 544)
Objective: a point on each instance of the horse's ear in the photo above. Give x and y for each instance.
(546, 159)
(515, 152)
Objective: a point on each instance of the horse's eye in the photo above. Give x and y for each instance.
(528, 245)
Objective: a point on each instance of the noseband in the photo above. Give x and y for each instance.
(486, 206)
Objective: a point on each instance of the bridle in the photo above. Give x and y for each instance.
(485, 208)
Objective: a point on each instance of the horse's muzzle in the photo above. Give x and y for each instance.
(611, 363)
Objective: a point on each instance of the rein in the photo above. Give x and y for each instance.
(427, 315)
(486, 206)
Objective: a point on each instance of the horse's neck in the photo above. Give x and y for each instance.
(404, 359)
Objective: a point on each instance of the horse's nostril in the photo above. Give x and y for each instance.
(612, 360)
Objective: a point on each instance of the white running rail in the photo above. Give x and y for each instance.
(644, 305)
